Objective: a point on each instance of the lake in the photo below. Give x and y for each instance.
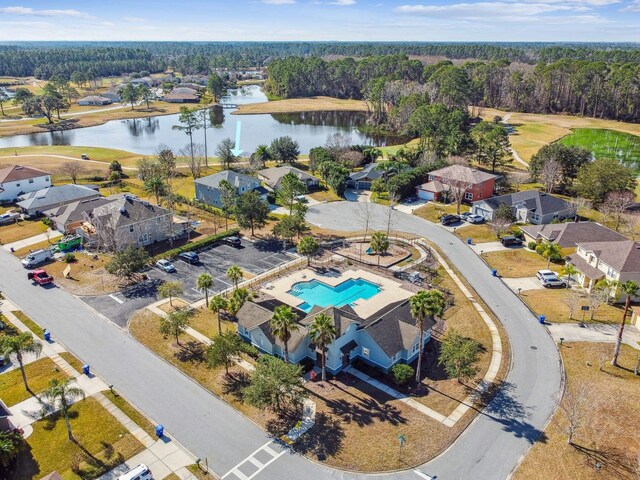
(143, 135)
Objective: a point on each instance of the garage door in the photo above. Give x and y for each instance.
(482, 212)
(423, 194)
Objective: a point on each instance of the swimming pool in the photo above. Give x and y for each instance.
(314, 292)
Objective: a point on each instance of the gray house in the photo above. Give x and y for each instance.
(48, 198)
(208, 188)
(386, 338)
(530, 206)
(363, 179)
(67, 218)
(273, 176)
(129, 221)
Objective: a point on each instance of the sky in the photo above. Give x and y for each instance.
(334, 20)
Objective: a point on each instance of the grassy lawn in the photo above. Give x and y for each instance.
(9, 328)
(72, 360)
(131, 412)
(87, 276)
(610, 433)
(38, 375)
(550, 302)
(21, 230)
(517, 263)
(325, 195)
(103, 443)
(22, 252)
(197, 471)
(33, 326)
(606, 143)
(433, 211)
(478, 233)
(32, 154)
(311, 104)
(205, 322)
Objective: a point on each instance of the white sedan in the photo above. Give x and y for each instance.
(165, 265)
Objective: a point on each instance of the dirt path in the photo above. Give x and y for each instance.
(515, 154)
(64, 157)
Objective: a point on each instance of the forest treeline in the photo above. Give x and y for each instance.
(396, 85)
(45, 59)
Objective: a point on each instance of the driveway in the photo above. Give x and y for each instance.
(595, 332)
(487, 247)
(523, 283)
(254, 258)
(488, 450)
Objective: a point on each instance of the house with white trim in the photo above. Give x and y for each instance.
(17, 180)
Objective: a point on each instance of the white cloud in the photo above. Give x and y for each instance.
(342, 3)
(134, 19)
(279, 2)
(43, 13)
(632, 7)
(487, 9)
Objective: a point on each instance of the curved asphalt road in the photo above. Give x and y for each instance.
(488, 450)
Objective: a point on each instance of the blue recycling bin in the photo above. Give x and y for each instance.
(469, 241)
(159, 431)
(47, 335)
(542, 319)
(494, 272)
(86, 369)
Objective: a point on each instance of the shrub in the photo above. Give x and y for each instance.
(69, 257)
(402, 373)
(532, 245)
(48, 222)
(198, 244)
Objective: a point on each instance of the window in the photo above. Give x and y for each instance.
(365, 352)
(468, 196)
(158, 220)
(611, 273)
(46, 179)
(17, 184)
(131, 228)
(31, 180)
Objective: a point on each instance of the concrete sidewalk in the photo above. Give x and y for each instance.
(43, 237)
(594, 332)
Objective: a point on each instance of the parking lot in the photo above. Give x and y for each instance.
(253, 257)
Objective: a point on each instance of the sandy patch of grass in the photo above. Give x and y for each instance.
(88, 275)
(178, 304)
(34, 154)
(311, 104)
(21, 230)
(550, 302)
(325, 195)
(610, 434)
(477, 233)
(72, 360)
(205, 322)
(38, 375)
(517, 263)
(433, 211)
(98, 434)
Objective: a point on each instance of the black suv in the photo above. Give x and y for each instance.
(233, 241)
(190, 257)
(449, 219)
(511, 241)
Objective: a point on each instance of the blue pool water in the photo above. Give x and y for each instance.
(315, 292)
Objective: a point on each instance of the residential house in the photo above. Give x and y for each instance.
(95, 100)
(386, 338)
(16, 180)
(128, 221)
(363, 179)
(113, 94)
(273, 176)
(530, 206)
(40, 201)
(193, 86)
(208, 188)
(569, 234)
(616, 261)
(67, 218)
(477, 184)
(148, 81)
(182, 95)
(5, 421)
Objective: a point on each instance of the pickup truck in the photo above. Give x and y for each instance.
(41, 277)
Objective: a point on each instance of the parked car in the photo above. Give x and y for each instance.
(37, 257)
(465, 215)
(41, 277)
(190, 257)
(474, 218)
(9, 217)
(84, 156)
(165, 265)
(550, 279)
(449, 219)
(510, 241)
(141, 472)
(233, 241)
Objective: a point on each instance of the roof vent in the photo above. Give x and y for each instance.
(123, 210)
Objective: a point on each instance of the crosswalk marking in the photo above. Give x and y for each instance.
(235, 471)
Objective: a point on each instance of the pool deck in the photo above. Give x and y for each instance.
(390, 290)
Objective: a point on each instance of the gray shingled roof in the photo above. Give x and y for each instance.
(275, 174)
(395, 328)
(535, 201)
(571, 233)
(72, 212)
(235, 179)
(42, 199)
(461, 173)
(128, 210)
(342, 317)
(368, 173)
(621, 256)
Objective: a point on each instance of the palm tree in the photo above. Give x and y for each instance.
(569, 270)
(205, 282)
(155, 186)
(19, 345)
(262, 154)
(282, 323)
(610, 287)
(630, 288)
(62, 394)
(425, 304)
(218, 303)
(322, 332)
(379, 244)
(549, 250)
(235, 275)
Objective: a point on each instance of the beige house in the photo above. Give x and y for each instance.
(616, 261)
(128, 221)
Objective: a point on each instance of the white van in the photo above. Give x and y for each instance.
(141, 472)
(36, 258)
